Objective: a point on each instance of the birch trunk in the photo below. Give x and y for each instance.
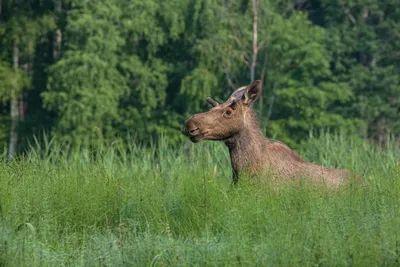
(255, 4)
(57, 42)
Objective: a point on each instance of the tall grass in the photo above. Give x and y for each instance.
(168, 206)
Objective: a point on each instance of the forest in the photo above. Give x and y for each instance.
(84, 72)
(94, 170)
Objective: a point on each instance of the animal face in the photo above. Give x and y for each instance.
(224, 120)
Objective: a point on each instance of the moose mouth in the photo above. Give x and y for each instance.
(197, 138)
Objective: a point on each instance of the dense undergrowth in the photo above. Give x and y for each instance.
(175, 206)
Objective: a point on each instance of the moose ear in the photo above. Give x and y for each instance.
(252, 92)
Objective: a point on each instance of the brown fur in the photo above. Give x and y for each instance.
(234, 122)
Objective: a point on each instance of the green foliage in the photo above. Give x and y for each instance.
(362, 37)
(305, 91)
(197, 86)
(94, 71)
(11, 81)
(23, 24)
(295, 64)
(175, 206)
(85, 86)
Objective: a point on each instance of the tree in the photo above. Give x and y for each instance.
(293, 62)
(20, 28)
(363, 38)
(84, 86)
(100, 70)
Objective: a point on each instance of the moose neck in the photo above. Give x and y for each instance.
(245, 147)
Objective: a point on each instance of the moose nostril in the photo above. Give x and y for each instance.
(194, 131)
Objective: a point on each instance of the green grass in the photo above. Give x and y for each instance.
(166, 206)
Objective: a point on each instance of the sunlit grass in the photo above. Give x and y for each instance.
(175, 206)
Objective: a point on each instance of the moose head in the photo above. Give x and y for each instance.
(224, 120)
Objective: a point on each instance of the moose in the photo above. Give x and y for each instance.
(234, 122)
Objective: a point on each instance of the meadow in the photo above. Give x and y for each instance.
(163, 205)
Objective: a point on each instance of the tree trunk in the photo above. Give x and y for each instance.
(57, 42)
(255, 4)
(14, 106)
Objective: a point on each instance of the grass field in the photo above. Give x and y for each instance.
(166, 206)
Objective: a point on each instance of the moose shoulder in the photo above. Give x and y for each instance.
(234, 122)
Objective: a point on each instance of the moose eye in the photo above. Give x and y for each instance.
(228, 113)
